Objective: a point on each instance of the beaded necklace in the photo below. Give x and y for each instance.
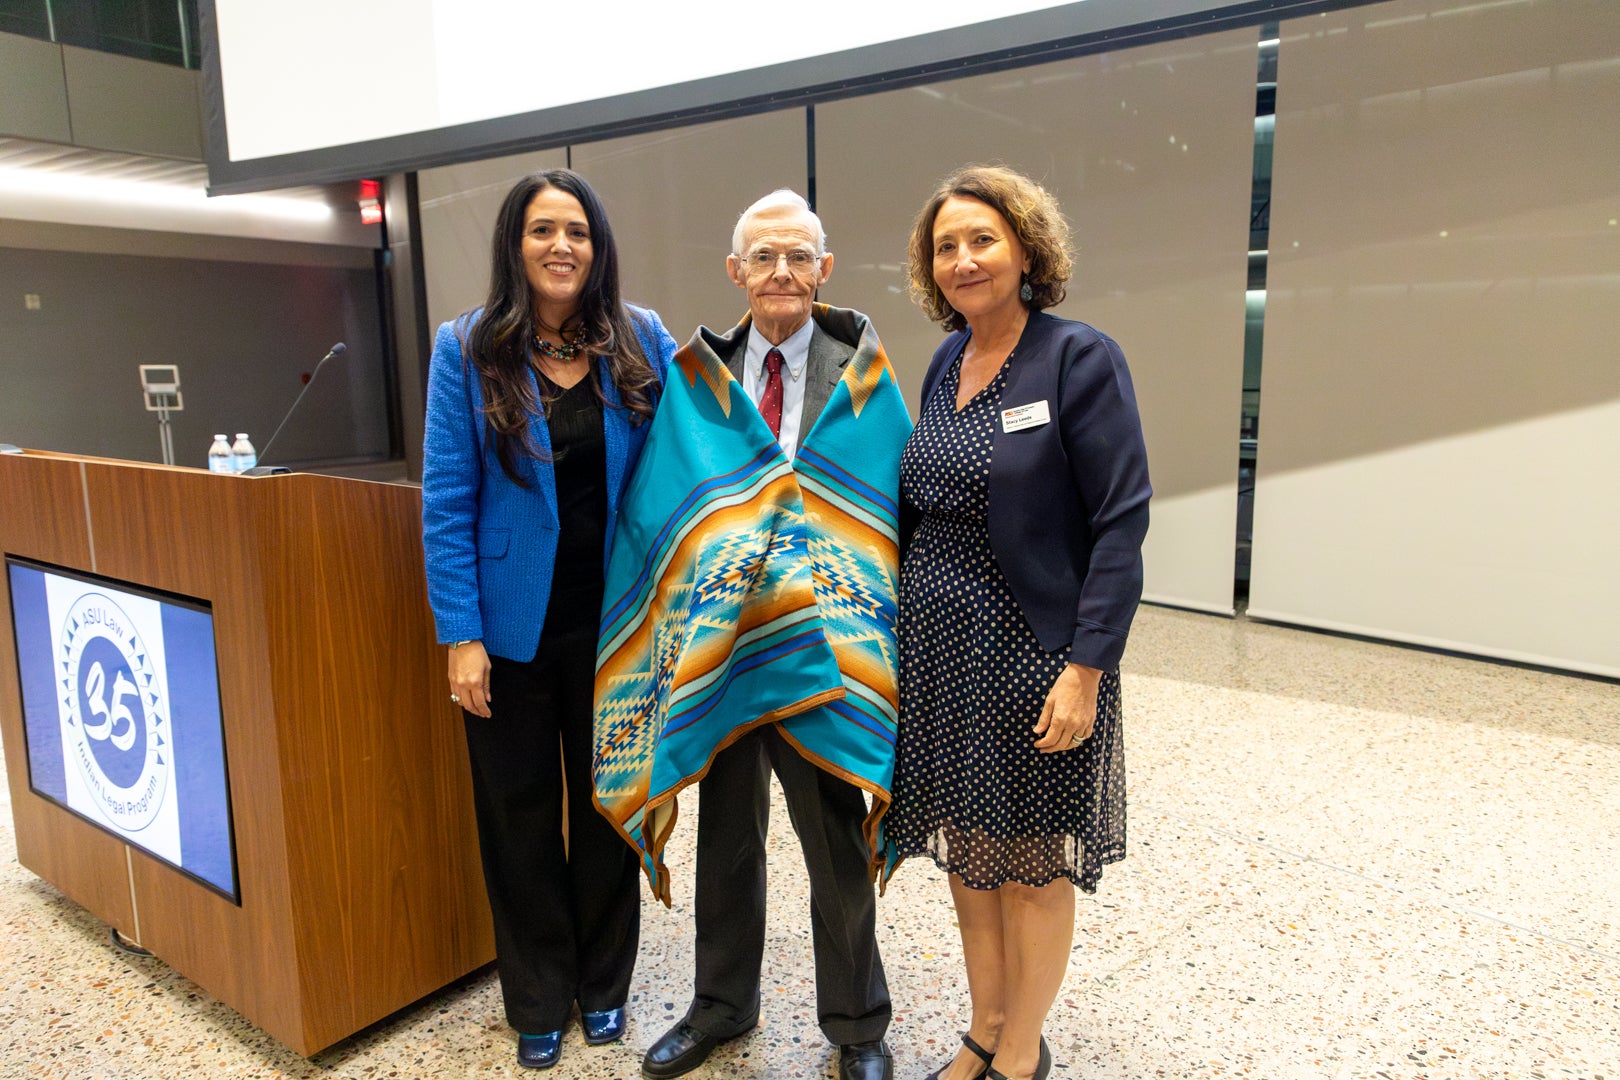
(564, 353)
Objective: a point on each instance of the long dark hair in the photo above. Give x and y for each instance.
(499, 345)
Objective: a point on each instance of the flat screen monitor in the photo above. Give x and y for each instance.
(120, 706)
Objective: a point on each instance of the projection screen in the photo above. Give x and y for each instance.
(313, 91)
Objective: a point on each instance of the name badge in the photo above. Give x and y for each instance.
(1025, 416)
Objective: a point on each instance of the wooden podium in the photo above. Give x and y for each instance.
(360, 884)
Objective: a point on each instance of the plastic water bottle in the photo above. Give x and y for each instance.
(243, 454)
(219, 456)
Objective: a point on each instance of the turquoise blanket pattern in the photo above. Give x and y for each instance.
(745, 590)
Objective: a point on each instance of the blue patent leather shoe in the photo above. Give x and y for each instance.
(603, 1027)
(539, 1051)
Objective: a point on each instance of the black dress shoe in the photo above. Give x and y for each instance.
(865, 1061)
(680, 1050)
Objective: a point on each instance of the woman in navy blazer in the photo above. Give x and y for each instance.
(1025, 502)
(537, 408)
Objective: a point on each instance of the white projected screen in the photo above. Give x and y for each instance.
(302, 75)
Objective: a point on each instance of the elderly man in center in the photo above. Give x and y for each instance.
(788, 354)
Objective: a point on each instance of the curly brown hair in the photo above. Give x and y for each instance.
(1035, 219)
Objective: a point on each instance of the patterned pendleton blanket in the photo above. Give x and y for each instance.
(743, 589)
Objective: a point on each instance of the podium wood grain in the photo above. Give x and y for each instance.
(358, 867)
(43, 518)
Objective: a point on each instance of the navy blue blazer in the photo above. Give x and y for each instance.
(1068, 499)
(491, 544)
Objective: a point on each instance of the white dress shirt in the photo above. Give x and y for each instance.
(795, 361)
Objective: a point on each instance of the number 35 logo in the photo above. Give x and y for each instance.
(115, 715)
(118, 724)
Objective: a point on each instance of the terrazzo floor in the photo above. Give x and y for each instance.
(1346, 860)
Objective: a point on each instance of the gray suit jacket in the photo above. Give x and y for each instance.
(852, 993)
(828, 356)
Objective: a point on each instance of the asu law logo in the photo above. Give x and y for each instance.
(114, 713)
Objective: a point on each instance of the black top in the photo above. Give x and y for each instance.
(579, 462)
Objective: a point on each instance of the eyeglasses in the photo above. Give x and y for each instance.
(765, 261)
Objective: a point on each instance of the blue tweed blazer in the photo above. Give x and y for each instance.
(490, 543)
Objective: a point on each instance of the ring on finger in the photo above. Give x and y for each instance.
(455, 699)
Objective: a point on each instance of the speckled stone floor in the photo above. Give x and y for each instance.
(1346, 860)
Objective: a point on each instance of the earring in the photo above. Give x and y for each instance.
(1026, 294)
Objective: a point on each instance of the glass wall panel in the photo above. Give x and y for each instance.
(674, 197)
(458, 206)
(1150, 151)
(30, 18)
(1441, 395)
(244, 333)
(165, 31)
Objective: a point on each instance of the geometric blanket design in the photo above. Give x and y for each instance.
(743, 589)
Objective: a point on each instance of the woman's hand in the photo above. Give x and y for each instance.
(1070, 711)
(469, 677)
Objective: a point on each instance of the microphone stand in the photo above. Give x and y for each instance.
(271, 470)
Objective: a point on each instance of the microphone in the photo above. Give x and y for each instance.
(270, 470)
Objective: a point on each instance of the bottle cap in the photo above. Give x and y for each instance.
(241, 434)
(220, 436)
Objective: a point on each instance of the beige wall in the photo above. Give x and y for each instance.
(458, 205)
(1150, 151)
(674, 197)
(1436, 409)
(1440, 426)
(95, 100)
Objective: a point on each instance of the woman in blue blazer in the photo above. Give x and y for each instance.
(538, 405)
(1025, 501)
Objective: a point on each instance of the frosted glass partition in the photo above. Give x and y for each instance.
(1150, 151)
(1440, 425)
(458, 205)
(674, 196)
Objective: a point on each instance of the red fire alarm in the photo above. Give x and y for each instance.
(371, 212)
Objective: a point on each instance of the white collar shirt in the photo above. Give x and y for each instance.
(795, 365)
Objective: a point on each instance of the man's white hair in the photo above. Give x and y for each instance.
(778, 198)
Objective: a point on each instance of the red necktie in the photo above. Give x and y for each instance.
(770, 402)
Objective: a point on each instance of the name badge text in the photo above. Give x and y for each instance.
(1020, 417)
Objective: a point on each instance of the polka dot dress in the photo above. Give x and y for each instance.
(970, 789)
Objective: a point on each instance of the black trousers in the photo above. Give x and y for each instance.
(566, 926)
(852, 995)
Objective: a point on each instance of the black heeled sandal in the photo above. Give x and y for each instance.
(978, 1051)
(1042, 1070)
